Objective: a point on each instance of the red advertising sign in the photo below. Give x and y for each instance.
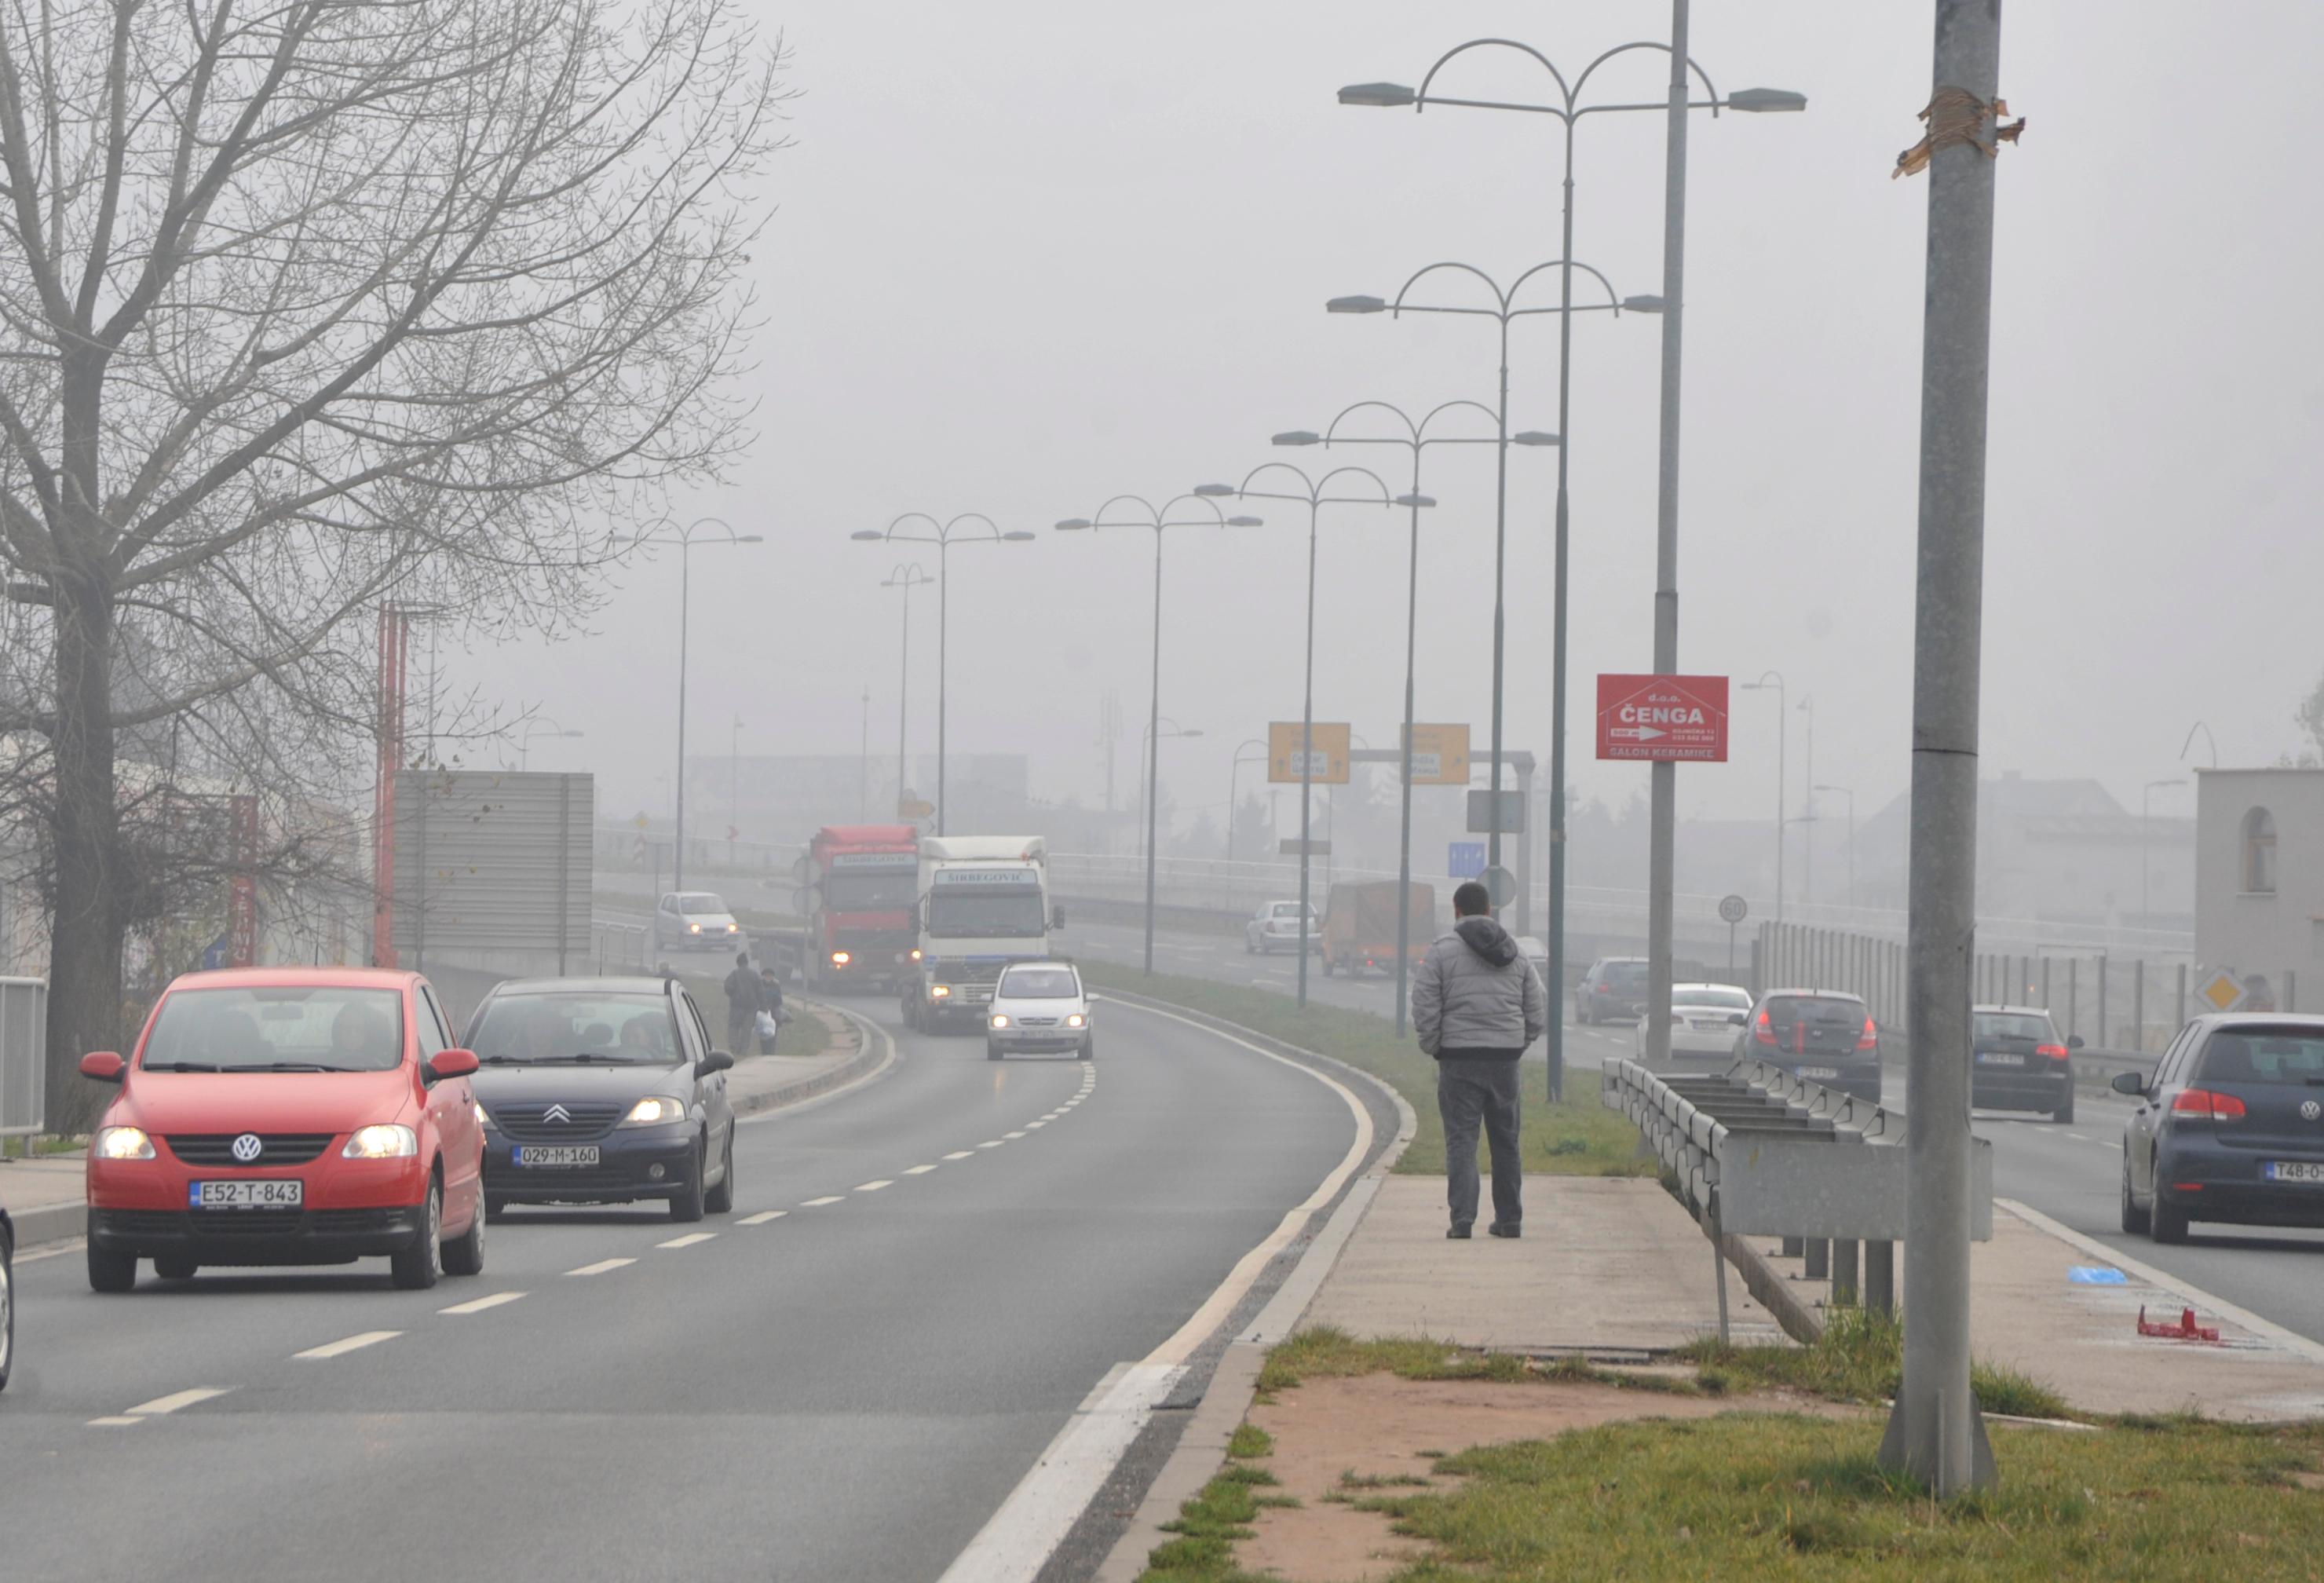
(1682, 717)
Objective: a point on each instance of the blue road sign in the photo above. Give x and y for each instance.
(1464, 859)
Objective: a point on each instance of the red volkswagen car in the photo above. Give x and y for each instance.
(288, 1115)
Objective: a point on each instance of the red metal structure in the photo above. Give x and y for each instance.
(394, 640)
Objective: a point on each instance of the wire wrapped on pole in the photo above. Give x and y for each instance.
(1956, 116)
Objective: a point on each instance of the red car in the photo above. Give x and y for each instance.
(288, 1115)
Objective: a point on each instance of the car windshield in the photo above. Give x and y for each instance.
(1626, 976)
(2013, 1028)
(698, 902)
(891, 892)
(311, 1028)
(1039, 984)
(976, 912)
(578, 1028)
(1732, 1000)
(2286, 1057)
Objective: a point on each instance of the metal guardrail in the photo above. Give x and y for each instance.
(1758, 1150)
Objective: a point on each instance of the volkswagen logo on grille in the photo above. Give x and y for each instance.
(2310, 1110)
(557, 1112)
(247, 1147)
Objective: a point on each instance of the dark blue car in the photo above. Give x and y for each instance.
(2229, 1128)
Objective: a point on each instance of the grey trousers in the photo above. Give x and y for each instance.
(1468, 1093)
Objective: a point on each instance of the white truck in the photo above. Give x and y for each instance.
(983, 904)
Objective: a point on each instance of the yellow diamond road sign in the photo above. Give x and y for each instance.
(2222, 989)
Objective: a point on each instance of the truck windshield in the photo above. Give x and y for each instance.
(986, 914)
(872, 892)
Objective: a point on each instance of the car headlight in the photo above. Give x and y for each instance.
(382, 1141)
(916, 953)
(654, 1110)
(734, 929)
(694, 929)
(1000, 1018)
(841, 959)
(1076, 1020)
(122, 1144)
(939, 991)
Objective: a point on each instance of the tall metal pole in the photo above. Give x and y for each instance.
(1556, 984)
(1307, 755)
(1154, 756)
(1500, 573)
(1661, 865)
(1807, 810)
(685, 598)
(904, 703)
(1935, 1433)
(943, 620)
(1404, 838)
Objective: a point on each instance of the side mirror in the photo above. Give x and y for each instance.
(450, 1064)
(1056, 918)
(103, 1066)
(2131, 1083)
(2074, 1041)
(717, 1061)
(1091, 1000)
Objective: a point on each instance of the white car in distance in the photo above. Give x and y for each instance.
(1275, 927)
(1040, 1008)
(1705, 1018)
(692, 921)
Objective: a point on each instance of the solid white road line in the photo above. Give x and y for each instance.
(688, 1240)
(962, 1154)
(478, 1305)
(355, 1343)
(177, 1399)
(601, 1266)
(1042, 1510)
(826, 1199)
(762, 1216)
(917, 1170)
(873, 1187)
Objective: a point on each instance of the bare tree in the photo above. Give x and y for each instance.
(302, 301)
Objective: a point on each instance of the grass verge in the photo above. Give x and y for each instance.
(1578, 1137)
(1859, 1357)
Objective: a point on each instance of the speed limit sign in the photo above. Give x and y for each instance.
(1733, 909)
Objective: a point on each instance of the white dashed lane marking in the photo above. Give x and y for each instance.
(917, 1170)
(762, 1216)
(478, 1305)
(960, 1154)
(990, 1143)
(688, 1240)
(819, 1203)
(1034, 1126)
(1019, 1133)
(177, 1399)
(601, 1266)
(873, 1187)
(355, 1343)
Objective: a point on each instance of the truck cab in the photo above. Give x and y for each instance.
(858, 886)
(983, 904)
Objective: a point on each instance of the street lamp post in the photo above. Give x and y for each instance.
(1850, 795)
(532, 729)
(1140, 512)
(1234, 770)
(1416, 440)
(733, 787)
(1149, 742)
(905, 578)
(685, 538)
(1568, 112)
(969, 527)
(2145, 799)
(1315, 498)
(1807, 807)
(1782, 731)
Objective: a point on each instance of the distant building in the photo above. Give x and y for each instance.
(2259, 877)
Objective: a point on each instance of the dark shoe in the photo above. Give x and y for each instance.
(1457, 1233)
(1509, 1229)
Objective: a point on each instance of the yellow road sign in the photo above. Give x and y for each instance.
(1439, 755)
(2222, 989)
(914, 808)
(1327, 746)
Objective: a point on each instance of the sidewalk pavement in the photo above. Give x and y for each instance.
(1606, 1265)
(43, 1196)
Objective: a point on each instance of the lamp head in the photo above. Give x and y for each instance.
(1017, 536)
(1072, 525)
(867, 535)
(1215, 491)
(1648, 304)
(1244, 522)
(1532, 437)
(1299, 437)
(1766, 101)
(1415, 500)
(751, 539)
(1355, 305)
(1382, 95)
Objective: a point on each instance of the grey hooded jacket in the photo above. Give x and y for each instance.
(1474, 995)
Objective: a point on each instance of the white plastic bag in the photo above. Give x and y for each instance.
(767, 1027)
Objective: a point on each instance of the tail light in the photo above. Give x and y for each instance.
(2208, 1104)
(1870, 1038)
(1763, 1031)
(2050, 1051)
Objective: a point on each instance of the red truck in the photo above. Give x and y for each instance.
(859, 885)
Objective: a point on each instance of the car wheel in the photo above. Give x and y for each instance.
(720, 1199)
(2134, 1219)
(417, 1267)
(687, 1203)
(1582, 1018)
(1088, 1050)
(110, 1270)
(2064, 1114)
(2167, 1222)
(991, 1050)
(178, 1267)
(465, 1256)
(1249, 948)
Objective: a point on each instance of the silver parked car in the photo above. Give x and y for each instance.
(1705, 1019)
(1275, 927)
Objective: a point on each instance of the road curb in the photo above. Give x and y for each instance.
(1202, 1448)
(49, 1222)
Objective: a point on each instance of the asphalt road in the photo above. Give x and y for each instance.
(2071, 1173)
(844, 1379)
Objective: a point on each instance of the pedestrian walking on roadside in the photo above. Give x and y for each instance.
(772, 1015)
(1477, 1004)
(742, 988)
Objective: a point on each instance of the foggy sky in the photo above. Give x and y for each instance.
(1030, 255)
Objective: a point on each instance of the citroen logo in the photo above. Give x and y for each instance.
(557, 1112)
(2310, 1110)
(247, 1147)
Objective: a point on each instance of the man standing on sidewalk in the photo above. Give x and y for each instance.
(1476, 1005)
(743, 1000)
